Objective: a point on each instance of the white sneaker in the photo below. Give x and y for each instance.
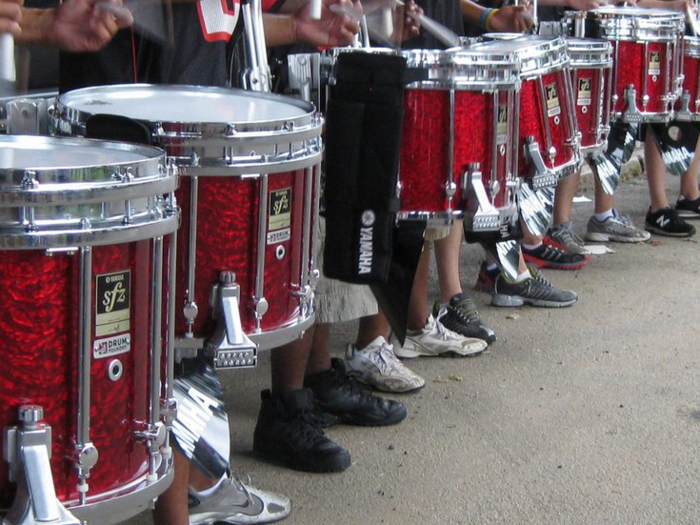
(436, 340)
(236, 503)
(378, 366)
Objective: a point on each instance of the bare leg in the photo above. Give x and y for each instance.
(370, 328)
(171, 506)
(564, 198)
(288, 364)
(603, 201)
(447, 256)
(418, 309)
(320, 355)
(656, 175)
(689, 179)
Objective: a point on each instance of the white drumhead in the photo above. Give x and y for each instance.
(27, 153)
(186, 104)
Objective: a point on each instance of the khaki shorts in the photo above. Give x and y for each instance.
(338, 301)
(435, 233)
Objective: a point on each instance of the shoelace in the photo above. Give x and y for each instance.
(444, 332)
(384, 359)
(466, 310)
(569, 235)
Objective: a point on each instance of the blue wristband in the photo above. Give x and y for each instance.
(482, 17)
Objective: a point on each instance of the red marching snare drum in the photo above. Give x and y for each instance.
(688, 107)
(85, 371)
(249, 197)
(646, 60)
(459, 152)
(591, 67)
(549, 136)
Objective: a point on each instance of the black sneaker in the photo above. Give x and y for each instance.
(547, 256)
(286, 434)
(535, 290)
(688, 209)
(460, 315)
(341, 395)
(667, 222)
(486, 278)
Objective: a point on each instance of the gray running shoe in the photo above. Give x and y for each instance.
(616, 228)
(536, 291)
(436, 340)
(378, 366)
(564, 235)
(237, 503)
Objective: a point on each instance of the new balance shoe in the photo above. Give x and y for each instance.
(341, 395)
(616, 228)
(460, 315)
(548, 256)
(286, 434)
(486, 278)
(377, 365)
(564, 237)
(436, 340)
(235, 503)
(667, 222)
(688, 209)
(535, 290)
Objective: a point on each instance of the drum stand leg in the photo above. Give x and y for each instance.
(230, 347)
(27, 450)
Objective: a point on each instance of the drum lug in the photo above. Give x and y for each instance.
(230, 347)
(542, 177)
(480, 214)
(631, 114)
(27, 448)
(153, 435)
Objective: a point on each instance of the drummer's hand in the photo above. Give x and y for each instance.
(334, 28)
(81, 25)
(586, 5)
(10, 15)
(511, 19)
(411, 27)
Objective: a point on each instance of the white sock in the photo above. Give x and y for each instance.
(531, 246)
(491, 266)
(211, 490)
(521, 278)
(605, 215)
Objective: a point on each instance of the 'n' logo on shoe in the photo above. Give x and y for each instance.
(662, 221)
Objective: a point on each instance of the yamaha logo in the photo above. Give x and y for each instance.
(368, 218)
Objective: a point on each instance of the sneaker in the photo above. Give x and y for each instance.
(564, 237)
(667, 222)
(436, 340)
(547, 256)
(688, 209)
(535, 290)
(341, 395)
(236, 503)
(460, 315)
(377, 366)
(616, 228)
(285, 434)
(486, 278)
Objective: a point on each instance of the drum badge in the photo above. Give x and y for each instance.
(280, 216)
(553, 108)
(585, 90)
(113, 314)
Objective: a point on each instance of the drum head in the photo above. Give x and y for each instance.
(185, 104)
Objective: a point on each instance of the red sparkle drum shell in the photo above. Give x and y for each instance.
(482, 114)
(646, 56)
(591, 67)
(64, 202)
(254, 159)
(688, 107)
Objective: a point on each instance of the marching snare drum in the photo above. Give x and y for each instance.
(459, 151)
(688, 107)
(82, 227)
(591, 67)
(248, 195)
(646, 60)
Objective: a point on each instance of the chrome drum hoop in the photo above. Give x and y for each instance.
(636, 24)
(589, 53)
(222, 141)
(537, 55)
(58, 193)
(479, 67)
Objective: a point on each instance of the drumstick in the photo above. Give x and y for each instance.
(439, 31)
